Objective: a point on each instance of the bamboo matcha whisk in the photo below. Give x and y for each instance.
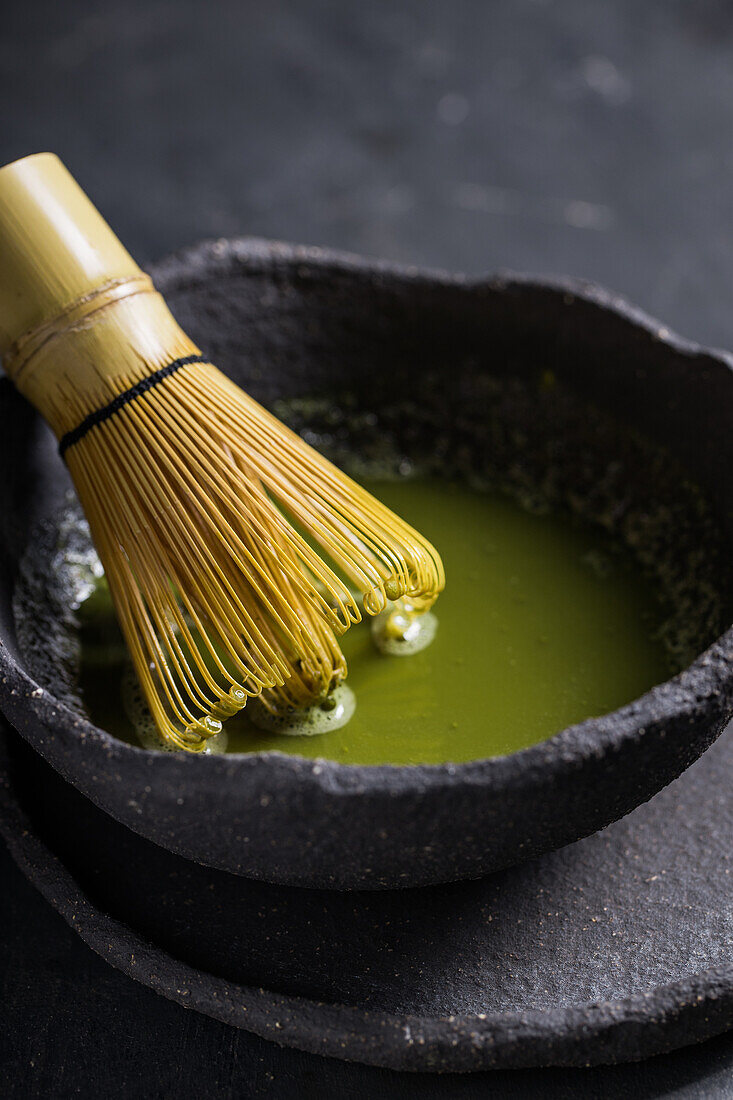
(189, 485)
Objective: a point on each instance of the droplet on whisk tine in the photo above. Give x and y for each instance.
(204, 728)
(392, 589)
(185, 480)
(231, 703)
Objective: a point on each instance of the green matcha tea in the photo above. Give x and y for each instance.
(544, 622)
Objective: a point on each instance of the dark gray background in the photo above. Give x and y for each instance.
(585, 137)
(589, 138)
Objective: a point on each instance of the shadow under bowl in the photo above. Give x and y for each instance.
(549, 388)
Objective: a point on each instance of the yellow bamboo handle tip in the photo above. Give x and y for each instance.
(55, 247)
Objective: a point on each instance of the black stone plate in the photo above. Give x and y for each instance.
(616, 948)
(471, 358)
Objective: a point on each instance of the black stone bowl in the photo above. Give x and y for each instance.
(553, 389)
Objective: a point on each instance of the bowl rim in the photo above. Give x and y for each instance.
(682, 696)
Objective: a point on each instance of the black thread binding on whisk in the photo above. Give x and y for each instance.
(123, 399)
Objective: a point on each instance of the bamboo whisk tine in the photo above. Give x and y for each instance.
(203, 507)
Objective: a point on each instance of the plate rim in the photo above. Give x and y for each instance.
(656, 1021)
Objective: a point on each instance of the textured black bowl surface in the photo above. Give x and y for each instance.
(616, 948)
(288, 322)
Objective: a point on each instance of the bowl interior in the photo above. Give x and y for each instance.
(510, 386)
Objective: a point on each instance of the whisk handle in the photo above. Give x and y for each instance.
(56, 249)
(78, 317)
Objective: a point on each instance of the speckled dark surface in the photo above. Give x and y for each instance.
(613, 949)
(582, 136)
(290, 322)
